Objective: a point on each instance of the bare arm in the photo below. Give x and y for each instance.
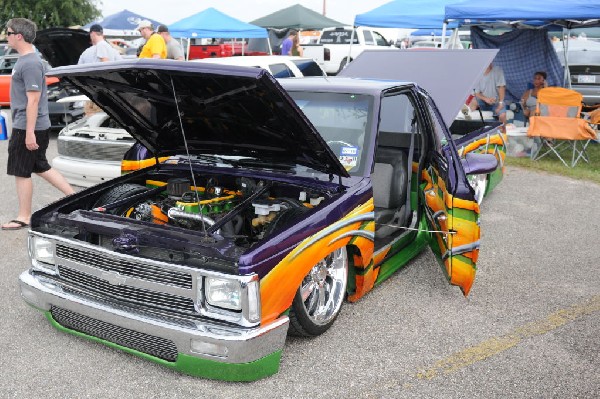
(31, 112)
(155, 55)
(524, 102)
(501, 93)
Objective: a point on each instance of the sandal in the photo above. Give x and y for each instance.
(19, 225)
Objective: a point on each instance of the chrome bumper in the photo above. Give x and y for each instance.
(231, 344)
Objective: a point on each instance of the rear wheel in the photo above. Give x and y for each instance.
(320, 296)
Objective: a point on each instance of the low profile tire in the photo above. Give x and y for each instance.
(320, 296)
(118, 193)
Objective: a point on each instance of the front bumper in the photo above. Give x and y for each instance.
(238, 354)
(86, 173)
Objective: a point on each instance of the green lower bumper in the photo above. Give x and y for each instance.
(199, 367)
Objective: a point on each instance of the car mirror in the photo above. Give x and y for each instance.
(476, 164)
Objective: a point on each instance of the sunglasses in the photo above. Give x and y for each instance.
(11, 33)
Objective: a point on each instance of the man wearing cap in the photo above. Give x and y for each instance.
(174, 49)
(100, 51)
(155, 46)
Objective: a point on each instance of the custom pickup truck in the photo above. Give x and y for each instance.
(280, 200)
(333, 50)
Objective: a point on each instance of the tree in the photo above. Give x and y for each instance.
(49, 13)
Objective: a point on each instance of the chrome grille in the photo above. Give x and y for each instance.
(141, 342)
(98, 150)
(125, 268)
(139, 296)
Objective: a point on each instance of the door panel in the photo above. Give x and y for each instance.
(453, 221)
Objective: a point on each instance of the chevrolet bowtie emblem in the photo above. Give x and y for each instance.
(114, 278)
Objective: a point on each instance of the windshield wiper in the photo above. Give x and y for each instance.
(264, 163)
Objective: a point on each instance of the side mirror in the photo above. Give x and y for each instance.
(479, 164)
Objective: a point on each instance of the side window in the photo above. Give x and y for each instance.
(368, 38)
(437, 123)
(398, 115)
(380, 40)
(308, 67)
(281, 71)
(338, 36)
(398, 123)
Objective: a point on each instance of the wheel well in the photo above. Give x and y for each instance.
(355, 258)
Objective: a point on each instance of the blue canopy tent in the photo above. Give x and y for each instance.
(519, 59)
(123, 23)
(427, 32)
(212, 23)
(415, 14)
(569, 14)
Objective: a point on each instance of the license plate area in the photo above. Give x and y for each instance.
(586, 79)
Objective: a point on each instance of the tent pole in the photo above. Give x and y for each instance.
(269, 45)
(444, 33)
(350, 46)
(187, 56)
(567, 72)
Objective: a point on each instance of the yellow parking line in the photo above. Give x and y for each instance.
(499, 344)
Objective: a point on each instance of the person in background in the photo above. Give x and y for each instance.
(529, 99)
(490, 91)
(174, 49)
(100, 50)
(288, 43)
(297, 49)
(31, 123)
(155, 46)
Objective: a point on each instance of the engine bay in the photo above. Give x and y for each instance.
(240, 208)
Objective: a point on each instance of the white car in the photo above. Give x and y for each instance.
(91, 149)
(280, 66)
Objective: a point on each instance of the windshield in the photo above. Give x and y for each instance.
(343, 120)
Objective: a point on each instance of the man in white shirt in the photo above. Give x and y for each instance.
(101, 50)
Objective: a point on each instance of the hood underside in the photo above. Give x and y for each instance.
(62, 46)
(449, 76)
(174, 107)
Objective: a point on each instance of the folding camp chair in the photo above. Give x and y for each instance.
(558, 125)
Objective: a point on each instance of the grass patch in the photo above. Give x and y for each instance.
(551, 164)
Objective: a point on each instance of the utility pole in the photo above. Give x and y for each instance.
(324, 7)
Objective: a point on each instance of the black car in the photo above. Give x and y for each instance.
(60, 47)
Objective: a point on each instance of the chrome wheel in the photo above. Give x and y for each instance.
(320, 296)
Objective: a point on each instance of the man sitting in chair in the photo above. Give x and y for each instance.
(490, 91)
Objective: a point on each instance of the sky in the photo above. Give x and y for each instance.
(171, 11)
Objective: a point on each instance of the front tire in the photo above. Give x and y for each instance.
(320, 296)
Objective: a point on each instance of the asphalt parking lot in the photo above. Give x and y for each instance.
(530, 327)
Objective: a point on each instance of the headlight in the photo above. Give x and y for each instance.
(41, 251)
(223, 293)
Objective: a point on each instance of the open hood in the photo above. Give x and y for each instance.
(449, 76)
(210, 109)
(62, 46)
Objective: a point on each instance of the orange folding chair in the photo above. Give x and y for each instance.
(558, 126)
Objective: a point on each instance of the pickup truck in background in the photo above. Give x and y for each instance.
(333, 51)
